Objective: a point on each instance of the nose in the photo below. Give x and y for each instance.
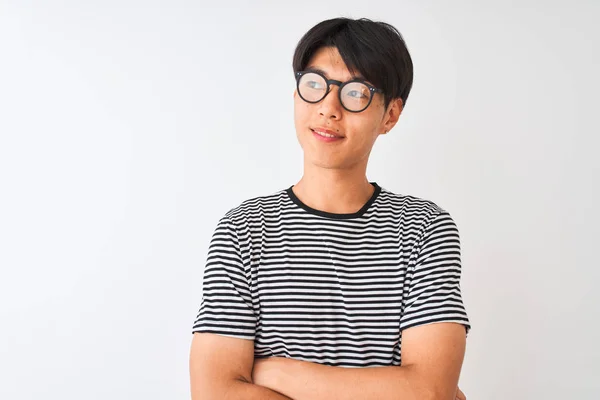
(330, 106)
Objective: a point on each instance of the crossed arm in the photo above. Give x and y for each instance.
(432, 357)
(221, 369)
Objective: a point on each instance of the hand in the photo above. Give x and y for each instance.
(460, 395)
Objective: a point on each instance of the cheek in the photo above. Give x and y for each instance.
(301, 113)
(365, 132)
(373, 123)
(300, 121)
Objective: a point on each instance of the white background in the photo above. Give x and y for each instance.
(128, 128)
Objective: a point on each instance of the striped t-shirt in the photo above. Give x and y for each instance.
(334, 289)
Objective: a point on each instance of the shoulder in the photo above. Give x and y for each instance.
(256, 208)
(412, 210)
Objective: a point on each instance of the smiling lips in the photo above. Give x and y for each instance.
(327, 134)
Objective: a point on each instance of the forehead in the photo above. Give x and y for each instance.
(329, 61)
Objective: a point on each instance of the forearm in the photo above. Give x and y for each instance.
(309, 381)
(250, 391)
(239, 389)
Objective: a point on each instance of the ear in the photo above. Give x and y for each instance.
(392, 114)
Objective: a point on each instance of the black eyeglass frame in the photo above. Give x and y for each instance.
(340, 84)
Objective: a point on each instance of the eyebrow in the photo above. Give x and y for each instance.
(315, 69)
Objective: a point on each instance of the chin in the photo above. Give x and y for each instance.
(326, 162)
(320, 156)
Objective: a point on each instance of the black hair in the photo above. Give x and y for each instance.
(374, 49)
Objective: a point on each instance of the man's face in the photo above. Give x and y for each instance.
(358, 131)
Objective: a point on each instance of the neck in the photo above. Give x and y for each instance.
(334, 190)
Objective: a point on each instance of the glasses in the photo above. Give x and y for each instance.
(354, 95)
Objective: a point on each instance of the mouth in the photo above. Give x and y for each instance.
(326, 134)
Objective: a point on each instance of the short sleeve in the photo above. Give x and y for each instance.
(434, 293)
(226, 306)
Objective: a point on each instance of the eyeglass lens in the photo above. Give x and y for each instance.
(313, 88)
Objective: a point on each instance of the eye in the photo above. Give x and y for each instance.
(314, 84)
(356, 94)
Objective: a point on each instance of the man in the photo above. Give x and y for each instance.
(335, 288)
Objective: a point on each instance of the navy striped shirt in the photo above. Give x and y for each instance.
(334, 289)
